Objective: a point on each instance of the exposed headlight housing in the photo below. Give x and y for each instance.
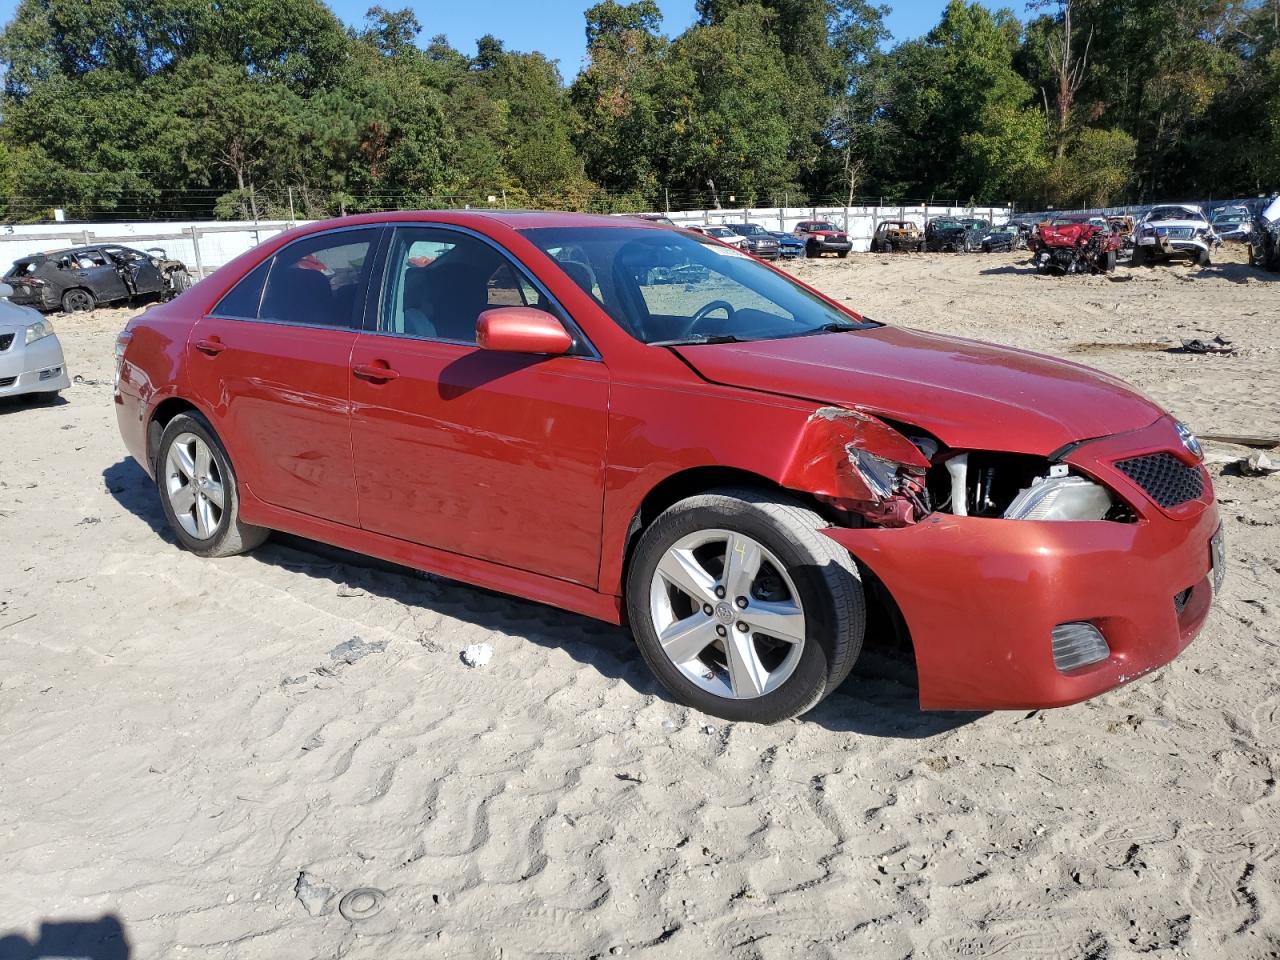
(39, 330)
(1061, 496)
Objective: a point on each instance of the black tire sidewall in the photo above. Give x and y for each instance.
(69, 298)
(196, 424)
(811, 679)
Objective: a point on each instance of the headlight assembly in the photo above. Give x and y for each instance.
(1060, 498)
(39, 330)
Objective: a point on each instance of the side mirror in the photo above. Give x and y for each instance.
(5, 290)
(522, 330)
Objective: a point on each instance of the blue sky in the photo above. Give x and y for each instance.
(555, 27)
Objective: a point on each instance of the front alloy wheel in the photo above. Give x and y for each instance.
(741, 606)
(727, 615)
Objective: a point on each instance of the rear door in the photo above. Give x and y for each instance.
(497, 456)
(272, 364)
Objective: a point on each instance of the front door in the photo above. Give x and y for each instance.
(272, 365)
(496, 456)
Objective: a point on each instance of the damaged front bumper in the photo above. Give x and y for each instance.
(982, 596)
(1175, 246)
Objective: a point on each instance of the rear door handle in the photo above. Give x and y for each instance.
(374, 372)
(211, 346)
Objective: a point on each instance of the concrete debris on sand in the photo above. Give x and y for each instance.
(477, 654)
(1258, 465)
(355, 649)
(312, 894)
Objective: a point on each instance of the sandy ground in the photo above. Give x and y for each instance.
(183, 739)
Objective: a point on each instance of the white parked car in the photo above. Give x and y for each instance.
(1174, 230)
(30, 354)
(722, 233)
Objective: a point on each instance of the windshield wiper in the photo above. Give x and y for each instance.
(696, 338)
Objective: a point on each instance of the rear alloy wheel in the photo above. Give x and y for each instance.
(742, 608)
(77, 301)
(198, 490)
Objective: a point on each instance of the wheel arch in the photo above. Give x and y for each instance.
(885, 620)
(687, 483)
(159, 418)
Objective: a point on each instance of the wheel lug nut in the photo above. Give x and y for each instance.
(742, 625)
(741, 602)
(706, 608)
(720, 630)
(720, 592)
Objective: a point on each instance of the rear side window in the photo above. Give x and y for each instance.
(318, 281)
(241, 301)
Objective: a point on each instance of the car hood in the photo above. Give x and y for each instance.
(1197, 224)
(14, 317)
(968, 394)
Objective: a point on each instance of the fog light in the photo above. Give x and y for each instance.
(1077, 645)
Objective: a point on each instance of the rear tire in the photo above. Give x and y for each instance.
(77, 300)
(842, 254)
(814, 591)
(1109, 261)
(1139, 257)
(1204, 259)
(193, 472)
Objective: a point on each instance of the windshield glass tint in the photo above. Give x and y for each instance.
(662, 286)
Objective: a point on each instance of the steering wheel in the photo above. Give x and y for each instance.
(704, 311)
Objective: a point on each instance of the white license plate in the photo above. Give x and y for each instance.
(1147, 241)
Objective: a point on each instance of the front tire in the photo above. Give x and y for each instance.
(742, 608)
(198, 490)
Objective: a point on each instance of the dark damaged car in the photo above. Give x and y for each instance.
(81, 278)
(959, 234)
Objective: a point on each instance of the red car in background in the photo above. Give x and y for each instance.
(1076, 244)
(646, 426)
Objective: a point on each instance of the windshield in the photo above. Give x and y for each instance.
(1174, 213)
(1230, 218)
(664, 288)
(719, 232)
(748, 229)
(818, 225)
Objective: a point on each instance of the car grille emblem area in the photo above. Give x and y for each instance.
(1166, 479)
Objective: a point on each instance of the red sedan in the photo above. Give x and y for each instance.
(645, 425)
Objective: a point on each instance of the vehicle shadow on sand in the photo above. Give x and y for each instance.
(1008, 268)
(30, 401)
(879, 699)
(1236, 273)
(101, 939)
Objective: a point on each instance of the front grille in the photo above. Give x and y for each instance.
(1166, 479)
(7, 381)
(6, 341)
(1176, 233)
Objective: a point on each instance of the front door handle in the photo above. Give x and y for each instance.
(211, 346)
(377, 372)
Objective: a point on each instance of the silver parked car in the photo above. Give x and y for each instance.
(30, 354)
